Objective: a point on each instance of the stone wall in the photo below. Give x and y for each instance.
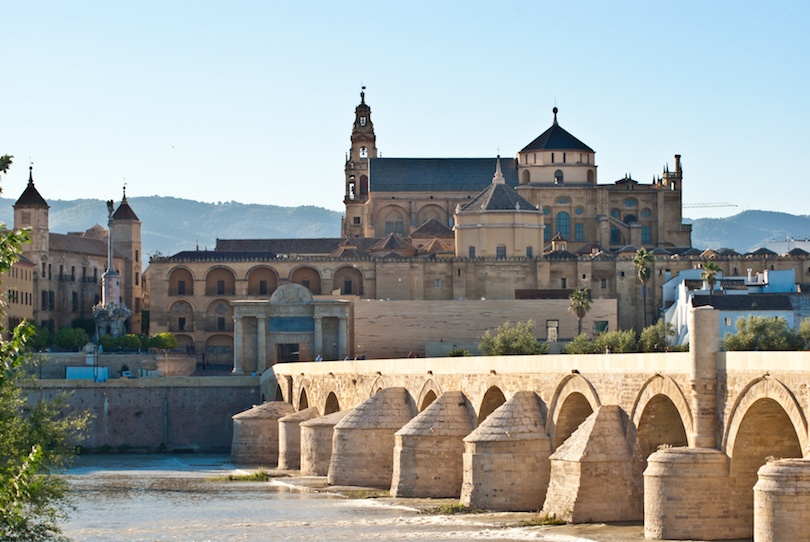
(156, 414)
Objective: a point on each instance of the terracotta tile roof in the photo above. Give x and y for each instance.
(432, 228)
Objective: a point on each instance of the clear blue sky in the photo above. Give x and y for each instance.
(254, 101)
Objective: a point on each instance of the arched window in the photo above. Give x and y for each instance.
(564, 224)
(526, 177)
(614, 213)
(629, 219)
(558, 176)
(590, 176)
(363, 152)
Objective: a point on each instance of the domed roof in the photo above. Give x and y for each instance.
(556, 138)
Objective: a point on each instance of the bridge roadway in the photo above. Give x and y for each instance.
(572, 433)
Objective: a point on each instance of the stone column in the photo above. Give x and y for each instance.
(704, 340)
(237, 345)
(318, 342)
(261, 342)
(342, 329)
(782, 501)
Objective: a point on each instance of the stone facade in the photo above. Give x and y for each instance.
(256, 435)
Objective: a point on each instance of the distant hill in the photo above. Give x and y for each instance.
(173, 224)
(748, 230)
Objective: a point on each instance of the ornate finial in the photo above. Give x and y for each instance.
(31, 173)
(498, 178)
(555, 114)
(363, 94)
(124, 199)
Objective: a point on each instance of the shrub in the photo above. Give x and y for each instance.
(512, 340)
(87, 324)
(581, 345)
(618, 341)
(163, 341)
(40, 337)
(71, 338)
(654, 338)
(763, 333)
(458, 353)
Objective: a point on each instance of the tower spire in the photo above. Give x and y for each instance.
(31, 174)
(498, 178)
(555, 114)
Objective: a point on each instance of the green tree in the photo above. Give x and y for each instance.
(643, 262)
(709, 274)
(36, 439)
(581, 344)
(804, 332)
(580, 305)
(163, 341)
(40, 337)
(655, 338)
(618, 342)
(458, 353)
(87, 324)
(763, 333)
(512, 340)
(71, 338)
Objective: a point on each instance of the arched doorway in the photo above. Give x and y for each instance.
(349, 280)
(308, 278)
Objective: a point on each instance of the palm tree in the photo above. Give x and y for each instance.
(710, 271)
(580, 305)
(642, 261)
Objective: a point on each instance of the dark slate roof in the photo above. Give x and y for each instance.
(627, 248)
(279, 246)
(499, 197)
(763, 252)
(30, 196)
(437, 174)
(432, 228)
(556, 138)
(796, 252)
(124, 211)
(586, 249)
(392, 242)
(561, 255)
(760, 302)
(658, 251)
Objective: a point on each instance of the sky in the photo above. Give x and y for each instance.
(254, 101)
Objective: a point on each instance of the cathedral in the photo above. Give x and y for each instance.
(434, 251)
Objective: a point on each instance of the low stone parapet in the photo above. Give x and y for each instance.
(289, 437)
(782, 501)
(429, 450)
(686, 495)
(255, 434)
(316, 443)
(506, 459)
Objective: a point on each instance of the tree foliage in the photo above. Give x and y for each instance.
(512, 340)
(764, 333)
(71, 338)
(619, 342)
(643, 262)
(709, 274)
(36, 439)
(39, 338)
(655, 338)
(163, 341)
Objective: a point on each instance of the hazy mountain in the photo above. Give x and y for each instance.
(173, 224)
(748, 230)
(170, 225)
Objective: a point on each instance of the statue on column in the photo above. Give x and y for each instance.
(111, 313)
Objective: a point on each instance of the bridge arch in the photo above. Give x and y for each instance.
(766, 420)
(303, 400)
(660, 416)
(574, 400)
(331, 405)
(377, 385)
(430, 392)
(493, 398)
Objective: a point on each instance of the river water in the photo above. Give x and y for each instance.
(178, 498)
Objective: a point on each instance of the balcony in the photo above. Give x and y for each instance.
(181, 291)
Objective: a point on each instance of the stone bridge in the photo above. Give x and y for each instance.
(571, 434)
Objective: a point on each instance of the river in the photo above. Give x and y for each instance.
(180, 498)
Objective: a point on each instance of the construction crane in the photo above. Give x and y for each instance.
(707, 205)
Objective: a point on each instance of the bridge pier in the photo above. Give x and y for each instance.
(506, 465)
(429, 450)
(255, 434)
(591, 472)
(316, 443)
(782, 501)
(289, 438)
(363, 441)
(704, 341)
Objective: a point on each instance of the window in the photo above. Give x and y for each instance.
(262, 287)
(552, 328)
(472, 253)
(220, 287)
(645, 213)
(728, 321)
(579, 210)
(552, 157)
(500, 252)
(562, 283)
(614, 213)
(564, 224)
(363, 152)
(51, 304)
(590, 174)
(95, 274)
(136, 278)
(396, 227)
(604, 283)
(563, 201)
(579, 233)
(615, 236)
(547, 234)
(181, 287)
(356, 221)
(72, 272)
(629, 202)
(645, 234)
(437, 284)
(220, 324)
(181, 324)
(61, 271)
(558, 176)
(136, 255)
(347, 287)
(74, 301)
(563, 158)
(305, 283)
(599, 326)
(529, 252)
(362, 121)
(43, 269)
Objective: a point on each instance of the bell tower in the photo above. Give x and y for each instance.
(364, 148)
